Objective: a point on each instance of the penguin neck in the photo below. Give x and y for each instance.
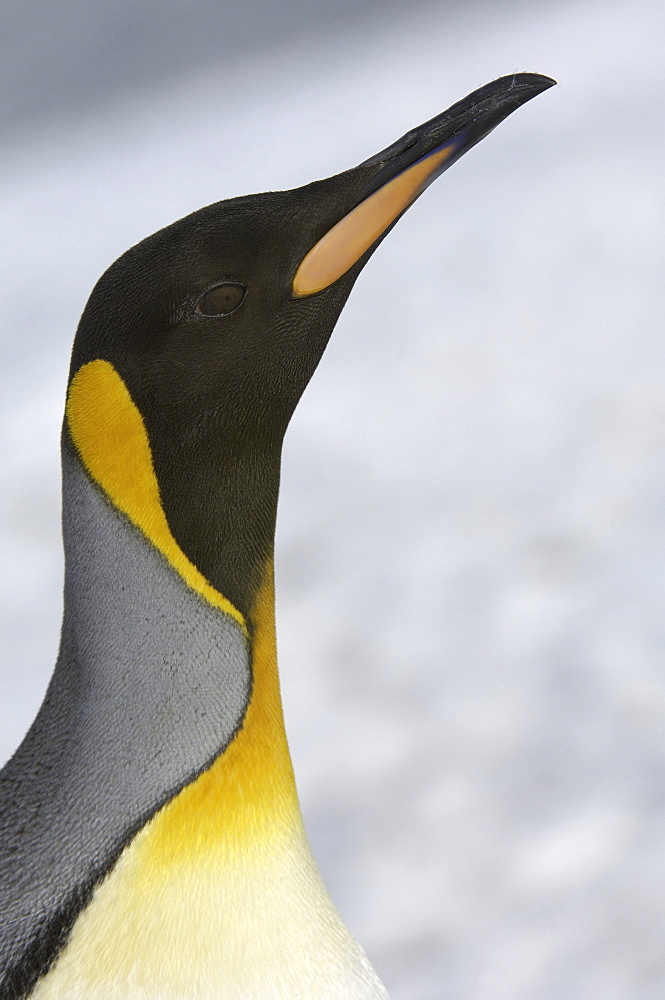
(221, 506)
(217, 897)
(246, 801)
(222, 865)
(248, 792)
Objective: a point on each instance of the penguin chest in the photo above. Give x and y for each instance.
(258, 927)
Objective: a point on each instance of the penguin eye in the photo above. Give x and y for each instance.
(221, 300)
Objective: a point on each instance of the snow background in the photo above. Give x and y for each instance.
(471, 536)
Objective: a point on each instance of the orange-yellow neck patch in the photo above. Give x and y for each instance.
(248, 797)
(111, 439)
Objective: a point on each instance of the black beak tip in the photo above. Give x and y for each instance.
(471, 119)
(527, 85)
(508, 92)
(475, 116)
(537, 80)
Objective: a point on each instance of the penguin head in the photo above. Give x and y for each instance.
(201, 322)
(216, 323)
(211, 316)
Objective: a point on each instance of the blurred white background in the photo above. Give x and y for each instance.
(471, 539)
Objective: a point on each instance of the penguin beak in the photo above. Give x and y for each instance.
(404, 170)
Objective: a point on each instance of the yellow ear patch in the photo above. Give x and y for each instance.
(111, 439)
(353, 235)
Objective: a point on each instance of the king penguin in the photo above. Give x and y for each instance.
(151, 841)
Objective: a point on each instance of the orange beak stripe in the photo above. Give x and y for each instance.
(353, 235)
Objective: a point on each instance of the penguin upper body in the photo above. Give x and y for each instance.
(151, 843)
